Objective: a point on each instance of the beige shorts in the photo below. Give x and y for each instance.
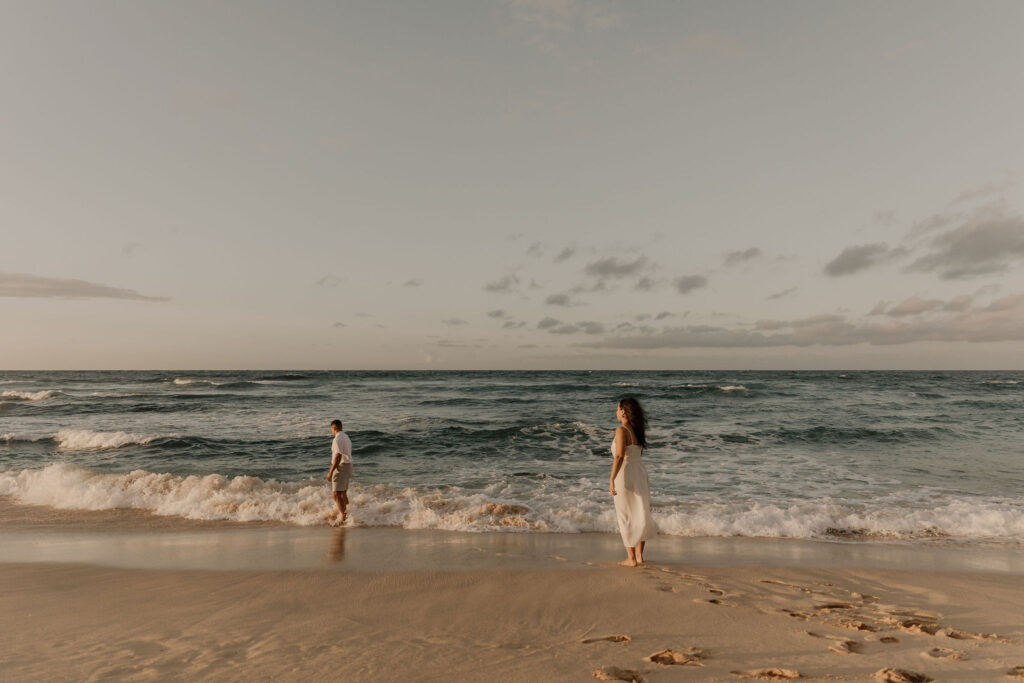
(339, 482)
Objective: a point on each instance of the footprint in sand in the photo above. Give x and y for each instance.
(788, 585)
(768, 674)
(829, 606)
(719, 601)
(797, 614)
(901, 676)
(840, 645)
(613, 639)
(888, 639)
(847, 647)
(691, 657)
(946, 653)
(614, 673)
(916, 625)
(1016, 672)
(857, 625)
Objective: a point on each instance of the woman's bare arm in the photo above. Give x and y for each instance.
(620, 453)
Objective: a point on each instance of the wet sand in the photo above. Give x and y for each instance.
(395, 605)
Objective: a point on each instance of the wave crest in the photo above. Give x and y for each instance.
(86, 439)
(43, 395)
(500, 508)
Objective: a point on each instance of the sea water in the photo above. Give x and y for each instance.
(920, 457)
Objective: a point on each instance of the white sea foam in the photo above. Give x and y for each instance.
(86, 439)
(726, 387)
(500, 507)
(1001, 381)
(186, 381)
(30, 395)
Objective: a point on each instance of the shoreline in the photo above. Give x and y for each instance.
(138, 539)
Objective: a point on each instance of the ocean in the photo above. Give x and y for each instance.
(909, 457)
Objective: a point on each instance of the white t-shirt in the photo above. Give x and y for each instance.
(341, 445)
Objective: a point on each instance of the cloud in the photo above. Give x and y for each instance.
(497, 313)
(339, 325)
(598, 286)
(412, 283)
(879, 308)
(953, 321)
(329, 280)
(130, 248)
(565, 254)
(34, 286)
(614, 268)
(986, 243)
(555, 326)
(646, 284)
(558, 300)
(986, 190)
(663, 315)
(512, 325)
(508, 283)
(685, 284)
(535, 249)
(918, 306)
(913, 306)
(784, 293)
(958, 303)
(736, 257)
(454, 321)
(859, 257)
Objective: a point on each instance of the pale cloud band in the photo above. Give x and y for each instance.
(34, 286)
(958, 321)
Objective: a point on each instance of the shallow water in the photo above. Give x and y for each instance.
(923, 457)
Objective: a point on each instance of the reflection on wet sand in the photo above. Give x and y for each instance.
(336, 553)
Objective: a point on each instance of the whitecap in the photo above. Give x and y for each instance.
(86, 439)
(30, 395)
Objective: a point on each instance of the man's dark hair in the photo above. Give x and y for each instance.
(336, 423)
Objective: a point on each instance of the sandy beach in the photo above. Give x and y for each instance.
(398, 605)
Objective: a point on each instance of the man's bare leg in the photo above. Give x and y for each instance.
(630, 561)
(640, 552)
(342, 501)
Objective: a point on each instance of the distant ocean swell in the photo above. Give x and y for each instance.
(584, 507)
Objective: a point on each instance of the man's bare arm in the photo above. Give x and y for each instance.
(334, 465)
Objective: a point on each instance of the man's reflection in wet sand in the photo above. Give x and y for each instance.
(336, 553)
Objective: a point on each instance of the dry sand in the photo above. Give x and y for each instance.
(78, 622)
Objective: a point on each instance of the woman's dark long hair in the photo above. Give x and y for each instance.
(636, 419)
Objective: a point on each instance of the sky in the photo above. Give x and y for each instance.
(517, 184)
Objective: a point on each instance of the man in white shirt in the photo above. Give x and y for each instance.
(341, 467)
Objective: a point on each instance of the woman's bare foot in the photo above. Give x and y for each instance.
(627, 563)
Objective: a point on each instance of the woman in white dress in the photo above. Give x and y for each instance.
(628, 482)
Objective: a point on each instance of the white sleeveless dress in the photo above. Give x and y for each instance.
(633, 498)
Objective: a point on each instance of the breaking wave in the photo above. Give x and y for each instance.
(44, 395)
(499, 508)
